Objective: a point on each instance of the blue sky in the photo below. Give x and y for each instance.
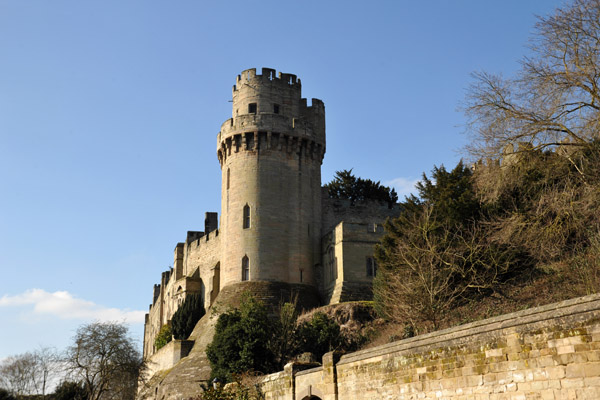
(109, 112)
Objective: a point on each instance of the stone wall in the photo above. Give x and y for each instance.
(178, 379)
(195, 271)
(168, 356)
(201, 262)
(346, 250)
(335, 211)
(550, 352)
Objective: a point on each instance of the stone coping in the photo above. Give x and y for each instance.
(570, 307)
(310, 370)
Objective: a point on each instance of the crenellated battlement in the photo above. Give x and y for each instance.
(316, 106)
(269, 114)
(269, 75)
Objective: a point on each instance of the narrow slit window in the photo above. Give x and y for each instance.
(245, 269)
(246, 216)
(228, 177)
(276, 108)
(301, 276)
(252, 108)
(371, 267)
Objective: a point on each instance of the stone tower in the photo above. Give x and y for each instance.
(270, 153)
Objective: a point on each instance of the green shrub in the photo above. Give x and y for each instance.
(320, 335)
(164, 336)
(187, 316)
(241, 341)
(70, 391)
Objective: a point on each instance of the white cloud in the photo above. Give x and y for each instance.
(404, 186)
(64, 305)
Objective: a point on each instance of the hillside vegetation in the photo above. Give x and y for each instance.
(520, 227)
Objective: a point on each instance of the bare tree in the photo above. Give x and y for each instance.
(105, 359)
(17, 374)
(29, 373)
(555, 98)
(47, 369)
(429, 266)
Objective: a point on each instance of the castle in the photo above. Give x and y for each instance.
(277, 223)
(281, 233)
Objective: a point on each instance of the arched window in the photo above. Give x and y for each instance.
(246, 216)
(245, 269)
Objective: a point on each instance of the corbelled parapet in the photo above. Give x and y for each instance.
(269, 113)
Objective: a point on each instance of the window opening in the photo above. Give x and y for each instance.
(301, 275)
(246, 216)
(245, 269)
(228, 177)
(276, 108)
(371, 267)
(252, 108)
(331, 258)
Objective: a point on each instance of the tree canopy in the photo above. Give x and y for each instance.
(105, 359)
(554, 100)
(449, 194)
(347, 186)
(29, 373)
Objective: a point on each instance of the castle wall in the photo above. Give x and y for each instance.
(335, 211)
(549, 352)
(196, 264)
(167, 356)
(346, 246)
(346, 252)
(155, 318)
(201, 261)
(152, 326)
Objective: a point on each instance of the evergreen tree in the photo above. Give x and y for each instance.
(437, 252)
(347, 186)
(450, 195)
(187, 316)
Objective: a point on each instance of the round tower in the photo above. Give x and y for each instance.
(270, 153)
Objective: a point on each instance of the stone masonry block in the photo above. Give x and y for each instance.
(558, 372)
(493, 353)
(591, 369)
(547, 394)
(575, 371)
(572, 383)
(565, 349)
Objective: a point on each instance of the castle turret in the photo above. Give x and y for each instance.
(270, 153)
